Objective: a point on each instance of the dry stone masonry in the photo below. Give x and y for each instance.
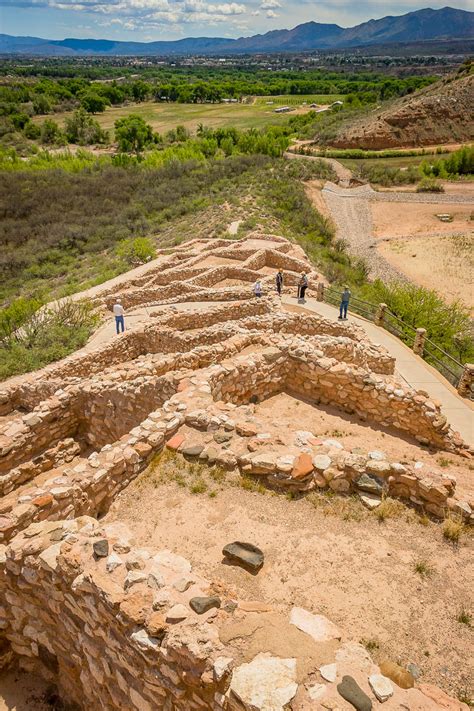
(116, 627)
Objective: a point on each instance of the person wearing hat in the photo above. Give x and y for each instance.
(345, 298)
(119, 316)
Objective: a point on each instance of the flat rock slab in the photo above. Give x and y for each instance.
(350, 690)
(244, 554)
(317, 626)
(265, 684)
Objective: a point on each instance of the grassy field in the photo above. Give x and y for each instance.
(164, 117)
(398, 162)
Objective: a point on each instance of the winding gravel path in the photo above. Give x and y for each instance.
(350, 210)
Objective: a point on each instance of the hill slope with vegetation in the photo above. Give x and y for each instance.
(440, 113)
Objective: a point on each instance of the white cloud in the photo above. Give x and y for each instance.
(269, 4)
(271, 15)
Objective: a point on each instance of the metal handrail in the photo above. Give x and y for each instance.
(441, 365)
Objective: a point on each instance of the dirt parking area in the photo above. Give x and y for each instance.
(408, 219)
(327, 554)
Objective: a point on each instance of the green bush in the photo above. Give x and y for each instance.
(133, 134)
(448, 325)
(136, 251)
(82, 129)
(31, 338)
(429, 185)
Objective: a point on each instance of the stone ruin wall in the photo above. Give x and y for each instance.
(79, 604)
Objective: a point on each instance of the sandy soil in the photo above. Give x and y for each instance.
(445, 263)
(216, 262)
(340, 562)
(313, 191)
(20, 691)
(450, 188)
(400, 219)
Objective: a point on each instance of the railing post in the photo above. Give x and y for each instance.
(419, 342)
(466, 380)
(320, 294)
(380, 314)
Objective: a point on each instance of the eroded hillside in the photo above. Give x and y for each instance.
(441, 113)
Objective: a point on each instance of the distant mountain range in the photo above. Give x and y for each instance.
(422, 25)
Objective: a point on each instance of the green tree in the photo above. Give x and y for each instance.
(93, 103)
(81, 128)
(133, 133)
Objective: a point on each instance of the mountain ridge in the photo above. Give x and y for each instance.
(420, 25)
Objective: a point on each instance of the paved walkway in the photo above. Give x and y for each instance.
(410, 368)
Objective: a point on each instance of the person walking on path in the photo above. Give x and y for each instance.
(302, 286)
(119, 316)
(279, 282)
(345, 298)
(257, 289)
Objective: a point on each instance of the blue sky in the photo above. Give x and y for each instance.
(147, 20)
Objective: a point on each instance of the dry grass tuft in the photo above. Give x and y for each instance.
(464, 617)
(452, 530)
(389, 508)
(423, 568)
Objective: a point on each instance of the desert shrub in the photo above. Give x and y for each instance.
(136, 251)
(429, 185)
(386, 175)
(51, 133)
(43, 335)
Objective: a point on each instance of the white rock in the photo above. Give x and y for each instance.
(381, 686)
(333, 443)
(370, 500)
(144, 640)
(377, 455)
(329, 672)
(112, 562)
(265, 684)
(321, 462)
(222, 666)
(317, 626)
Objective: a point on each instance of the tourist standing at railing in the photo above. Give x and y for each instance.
(119, 314)
(279, 282)
(345, 298)
(302, 286)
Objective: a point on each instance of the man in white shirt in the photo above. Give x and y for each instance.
(119, 314)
